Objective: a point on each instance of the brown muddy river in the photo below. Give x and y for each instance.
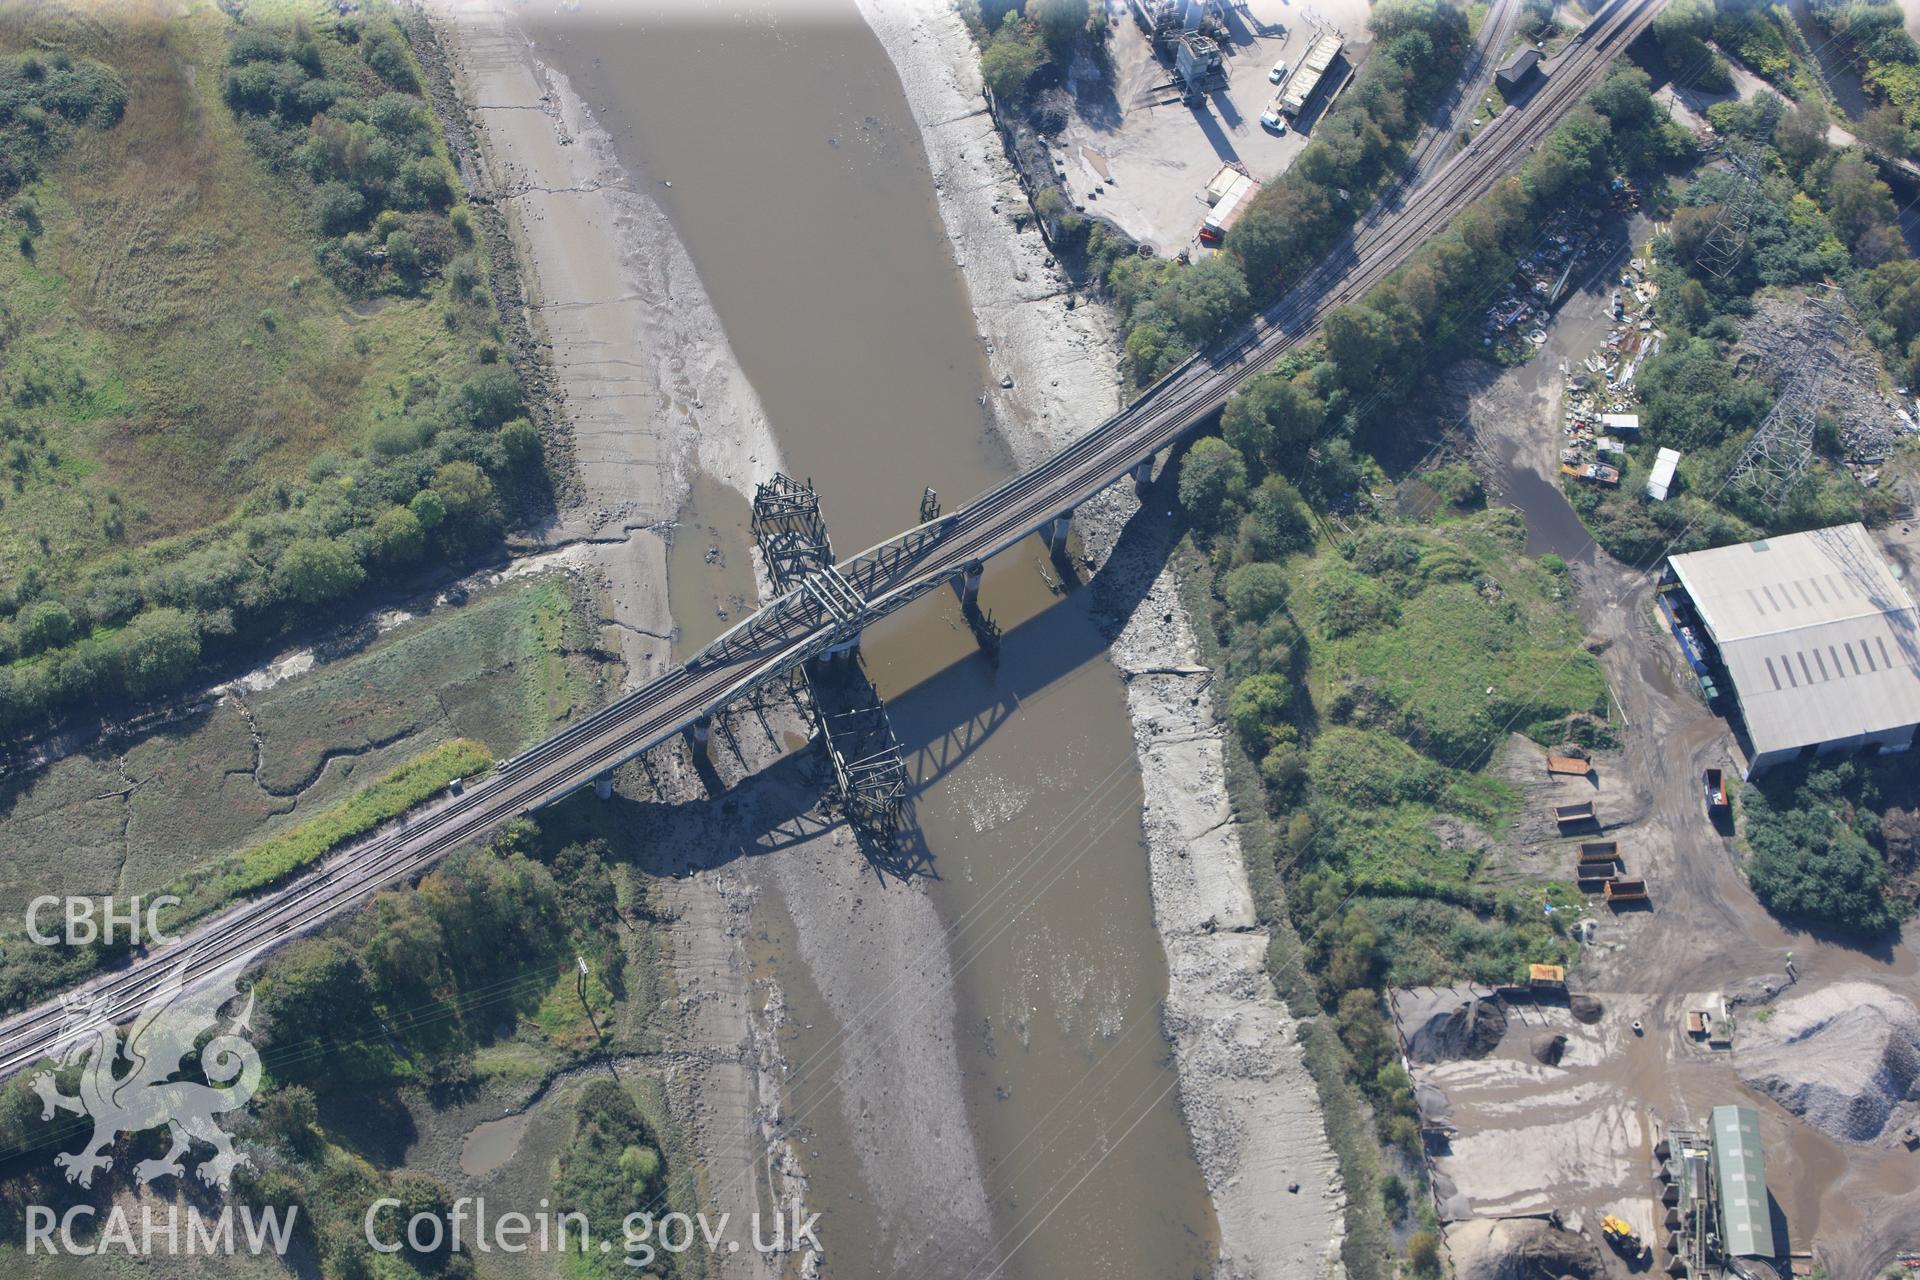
(800, 187)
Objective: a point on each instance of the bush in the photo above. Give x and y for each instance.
(1010, 60)
(157, 651)
(1423, 1253)
(1815, 857)
(1277, 524)
(317, 570)
(1258, 709)
(390, 796)
(612, 1162)
(42, 106)
(1344, 603)
(1254, 591)
(1213, 480)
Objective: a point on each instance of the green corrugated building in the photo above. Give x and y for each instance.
(1740, 1180)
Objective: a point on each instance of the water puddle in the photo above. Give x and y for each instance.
(491, 1144)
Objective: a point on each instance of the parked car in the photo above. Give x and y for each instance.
(1273, 120)
(1278, 73)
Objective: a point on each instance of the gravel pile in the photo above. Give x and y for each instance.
(1845, 1058)
(1442, 1024)
(1521, 1249)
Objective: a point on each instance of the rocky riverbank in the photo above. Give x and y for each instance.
(1245, 1092)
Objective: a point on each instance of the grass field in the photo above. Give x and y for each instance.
(250, 363)
(170, 338)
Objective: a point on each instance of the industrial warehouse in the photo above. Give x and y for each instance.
(1814, 632)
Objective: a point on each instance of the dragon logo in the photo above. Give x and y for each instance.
(145, 1095)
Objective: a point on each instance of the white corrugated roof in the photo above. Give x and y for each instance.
(1820, 637)
(1664, 464)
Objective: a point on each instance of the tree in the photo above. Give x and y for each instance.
(1061, 24)
(490, 396)
(397, 536)
(428, 508)
(1254, 591)
(1801, 136)
(339, 207)
(464, 491)
(403, 252)
(1278, 522)
(1885, 129)
(1273, 421)
(1010, 60)
(1813, 859)
(1862, 209)
(1682, 22)
(45, 625)
(1258, 707)
(316, 570)
(1360, 337)
(1213, 480)
(1693, 397)
(1690, 229)
(157, 650)
(1206, 296)
(387, 56)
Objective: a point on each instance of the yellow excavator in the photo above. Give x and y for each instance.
(1621, 1236)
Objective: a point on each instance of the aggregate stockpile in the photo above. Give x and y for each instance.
(1445, 1023)
(1845, 1058)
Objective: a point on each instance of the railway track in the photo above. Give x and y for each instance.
(794, 627)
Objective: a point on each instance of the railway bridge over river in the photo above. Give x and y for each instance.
(827, 609)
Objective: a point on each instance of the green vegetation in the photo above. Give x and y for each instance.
(1682, 29)
(409, 785)
(45, 100)
(385, 1025)
(1429, 312)
(610, 1167)
(1356, 678)
(224, 409)
(467, 959)
(179, 811)
(1172, 310)
(1762, 38)
(1823, 213)
(1820, 855)
(1017, 40)
(1373, 675)
(1876, 30)
(1372, 682)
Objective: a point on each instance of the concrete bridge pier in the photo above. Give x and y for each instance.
(700, 730)
(970, 583)
(1143, 475)
(845, 651)
(1062, 526)
(603, 785)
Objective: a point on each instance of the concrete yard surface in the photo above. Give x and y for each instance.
(1137, 155)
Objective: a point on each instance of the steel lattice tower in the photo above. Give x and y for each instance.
(1782, 447)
